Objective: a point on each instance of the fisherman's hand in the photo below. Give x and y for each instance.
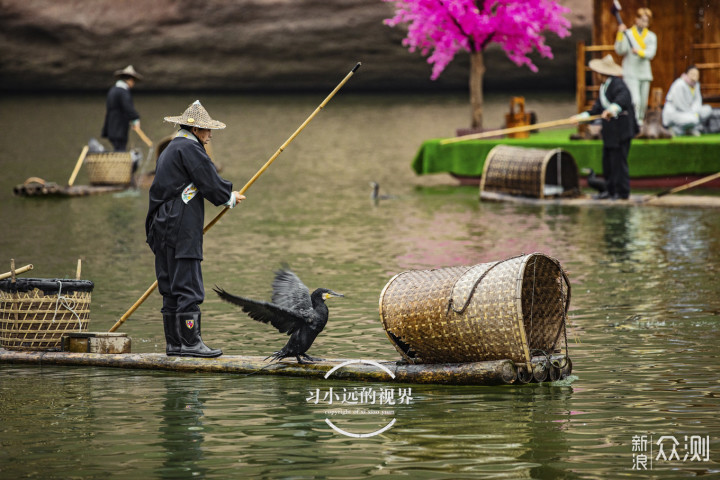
(238, 198)
(580, 117)
(136, 125)
(607, 114)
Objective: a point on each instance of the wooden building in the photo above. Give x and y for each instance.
(688, 33)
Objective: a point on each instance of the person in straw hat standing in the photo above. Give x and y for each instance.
(619, 126)
(120, 111)
(184, 177)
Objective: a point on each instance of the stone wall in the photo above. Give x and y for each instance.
(243, 45)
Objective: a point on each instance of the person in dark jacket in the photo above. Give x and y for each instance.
(184, 178)
(120, 113)
(619, 126)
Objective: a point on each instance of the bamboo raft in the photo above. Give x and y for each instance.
(37, 187)
(688, 201)
(499, 372)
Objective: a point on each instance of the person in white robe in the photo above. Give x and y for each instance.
(683, 112)
(638, 46)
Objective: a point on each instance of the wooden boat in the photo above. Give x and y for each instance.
(478, 373)
(657, 163)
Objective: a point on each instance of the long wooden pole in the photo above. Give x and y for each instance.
(78, 164)
(687, 186)
(522, 128)
(143, 137)
(245, 188)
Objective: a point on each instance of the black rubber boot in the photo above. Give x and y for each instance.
(191, 343)
(172, 335)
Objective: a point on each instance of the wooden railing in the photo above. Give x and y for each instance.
(586, 92)
(706, 57)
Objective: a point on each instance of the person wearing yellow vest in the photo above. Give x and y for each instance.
(638, 46)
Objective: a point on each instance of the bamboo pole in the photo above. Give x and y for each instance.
(18, 271)
(687, 186)
(78, 164)
(143, 137)
(522, 128)
(267, 164)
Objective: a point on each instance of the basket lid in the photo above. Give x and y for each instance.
(49, 286)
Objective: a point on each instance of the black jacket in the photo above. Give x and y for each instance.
(624, 126)
(119, 112)
(171, 222)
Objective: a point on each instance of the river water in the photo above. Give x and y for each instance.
(643, 326)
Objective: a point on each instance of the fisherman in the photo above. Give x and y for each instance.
(619, 126)
(683, 112)
(185, 176)
(120, 113)
(638, 46)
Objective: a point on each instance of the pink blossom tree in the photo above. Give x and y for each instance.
(441, 28)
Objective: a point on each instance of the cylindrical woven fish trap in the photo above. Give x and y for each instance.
(114, 168)
(530, 172)
(510, 309)
(35, 313)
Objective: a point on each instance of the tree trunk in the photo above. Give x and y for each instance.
(477, 70)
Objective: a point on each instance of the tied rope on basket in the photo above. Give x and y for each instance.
(68, 303)
(472, 290)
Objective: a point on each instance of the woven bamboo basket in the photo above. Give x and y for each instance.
(113, 168)
(530, 172)
(512, 309)
(35, 313)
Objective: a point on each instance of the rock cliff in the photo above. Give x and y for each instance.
(242, 45)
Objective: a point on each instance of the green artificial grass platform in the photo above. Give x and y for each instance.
(648, 158)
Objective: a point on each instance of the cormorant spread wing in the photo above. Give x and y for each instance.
(285, 320)
(290, 292)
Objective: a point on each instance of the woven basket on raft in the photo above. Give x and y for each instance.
(512, 309)
(530, 172)
(35, 313)
(114, 168)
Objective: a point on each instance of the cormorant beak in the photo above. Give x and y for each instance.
(330, 294)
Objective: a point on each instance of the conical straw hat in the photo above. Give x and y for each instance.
(606, 66)
(129, 71)
(196, 116)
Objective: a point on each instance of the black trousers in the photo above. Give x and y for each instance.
(616, 170)
(179, 282)
(119, 144)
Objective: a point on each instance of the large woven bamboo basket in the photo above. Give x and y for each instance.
(512, 309)
(113, 168)
(530, 172)
(35, 313)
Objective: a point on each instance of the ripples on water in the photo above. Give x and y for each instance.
(643, 325)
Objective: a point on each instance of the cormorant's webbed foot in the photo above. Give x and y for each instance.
(312, 359)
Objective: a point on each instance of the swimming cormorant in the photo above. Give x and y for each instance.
(293, 310)
(375, 195)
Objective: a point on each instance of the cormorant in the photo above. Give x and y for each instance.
(597, 183)
(294, 310)
(375, 193)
